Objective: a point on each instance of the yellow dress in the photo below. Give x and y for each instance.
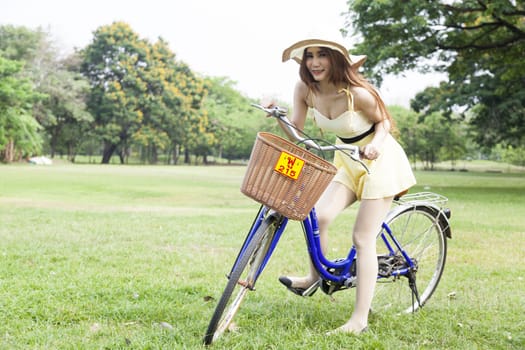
(390, 174)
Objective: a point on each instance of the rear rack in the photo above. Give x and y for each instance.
(423, 198)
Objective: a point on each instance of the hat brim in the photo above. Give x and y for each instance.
(296, 51)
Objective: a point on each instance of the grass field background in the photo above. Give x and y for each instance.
(134, 257)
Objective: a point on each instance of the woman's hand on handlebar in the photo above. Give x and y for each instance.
(271, 109)
(268, 103)
(370, 151)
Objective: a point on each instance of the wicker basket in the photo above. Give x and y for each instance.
(285, 177)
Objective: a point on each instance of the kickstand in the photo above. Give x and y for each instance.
(413, 288)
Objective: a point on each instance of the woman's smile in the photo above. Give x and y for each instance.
(317, 72)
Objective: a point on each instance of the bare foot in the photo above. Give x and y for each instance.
(349, 328)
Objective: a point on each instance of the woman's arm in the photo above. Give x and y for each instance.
(365, 102)
(300, 108)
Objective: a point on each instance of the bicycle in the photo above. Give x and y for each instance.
(411, 245)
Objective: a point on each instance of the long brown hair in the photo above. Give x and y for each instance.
(342, 73)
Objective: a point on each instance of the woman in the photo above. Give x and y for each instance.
(345, 103)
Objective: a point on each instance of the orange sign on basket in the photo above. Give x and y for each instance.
(289, 165)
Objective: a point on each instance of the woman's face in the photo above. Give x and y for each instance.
(318, 63)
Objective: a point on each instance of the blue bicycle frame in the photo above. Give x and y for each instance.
(321, 263)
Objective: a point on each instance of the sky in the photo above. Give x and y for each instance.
(239, 39)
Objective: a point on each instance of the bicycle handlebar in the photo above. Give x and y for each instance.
(280, 113)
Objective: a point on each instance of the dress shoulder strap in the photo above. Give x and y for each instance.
(350, 98)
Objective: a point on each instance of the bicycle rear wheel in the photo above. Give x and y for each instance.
(242, 278)
(421, 236)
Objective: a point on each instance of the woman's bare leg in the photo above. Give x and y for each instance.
(333, 200)
(368, 223)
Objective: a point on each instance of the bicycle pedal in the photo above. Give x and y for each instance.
(312, 289)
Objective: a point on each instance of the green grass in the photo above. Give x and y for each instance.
(134, 257)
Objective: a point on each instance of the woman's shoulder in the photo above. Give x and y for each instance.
(363, 99)
(302, 92)
(301, 87)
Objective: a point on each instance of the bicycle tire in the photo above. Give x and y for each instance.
(246, 271)
(422, 235)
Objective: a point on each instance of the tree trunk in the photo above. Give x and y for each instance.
(109, 149)
(8, 152)
(176, 154)
(154, 155)
(186, 156)
(71, 152)
(53, 142)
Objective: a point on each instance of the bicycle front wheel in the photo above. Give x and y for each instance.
(421, 236)
(242, 279)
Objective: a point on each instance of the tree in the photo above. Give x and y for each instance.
(19, 135)
(478, 43)
(141, 95)
(429, 137)
(408, 132)
(60, 109)
(62, 113)
(183, 93)
(114, 63)
(20, 43)
(161, 105)
(234, 122)
(19, 131)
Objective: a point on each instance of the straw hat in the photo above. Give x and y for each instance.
(296, 51)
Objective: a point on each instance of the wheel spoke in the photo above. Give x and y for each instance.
(242, 279)
(422, 238)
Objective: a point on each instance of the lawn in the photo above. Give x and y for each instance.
(134, 257)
